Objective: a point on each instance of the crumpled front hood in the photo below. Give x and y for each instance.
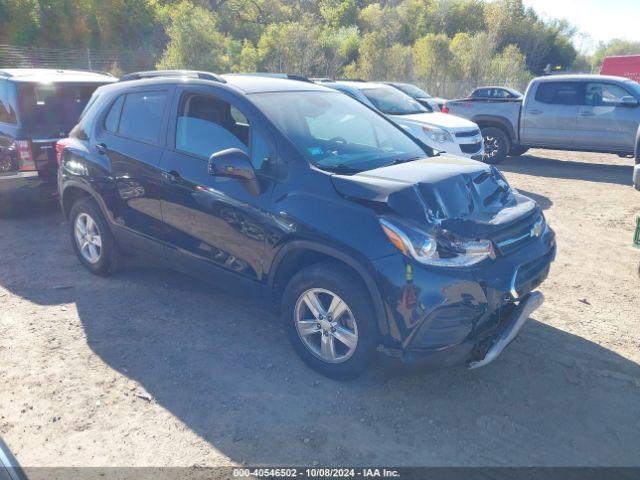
(446, 191)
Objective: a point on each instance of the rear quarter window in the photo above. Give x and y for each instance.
(112, 121)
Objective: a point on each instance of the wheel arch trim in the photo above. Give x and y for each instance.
(366, 276)
(503, 123)
(91, 192)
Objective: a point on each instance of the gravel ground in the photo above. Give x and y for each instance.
(151, 368)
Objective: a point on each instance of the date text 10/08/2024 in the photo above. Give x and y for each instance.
(316, 472)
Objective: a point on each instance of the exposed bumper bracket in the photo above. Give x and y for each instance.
(520, 315)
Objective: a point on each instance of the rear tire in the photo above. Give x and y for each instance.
(516, 151)
(91, 237)
(496, 145)
(337, 342)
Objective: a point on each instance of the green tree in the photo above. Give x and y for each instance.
(339, 13)
(454, 16)
(194, 40)
(19, 21)
(433, 61)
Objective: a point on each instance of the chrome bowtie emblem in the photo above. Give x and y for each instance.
(536, 230)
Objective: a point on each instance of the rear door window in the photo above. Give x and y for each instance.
(141, 116)
(558, 93)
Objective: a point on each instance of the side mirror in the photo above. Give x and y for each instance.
(234, 163)
(628, 101)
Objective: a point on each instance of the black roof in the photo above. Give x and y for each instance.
(245, 83)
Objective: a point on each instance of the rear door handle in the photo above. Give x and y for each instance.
(171, 177)
(587, 114)
(535, 112)
(101, 148)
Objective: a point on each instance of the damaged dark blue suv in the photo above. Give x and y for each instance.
(355, 231)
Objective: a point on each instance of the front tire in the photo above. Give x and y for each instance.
(91, 237)
(329, 320)
(496, 145)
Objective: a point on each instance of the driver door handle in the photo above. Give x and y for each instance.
(587, 114)
(171, 177)
(535, 112)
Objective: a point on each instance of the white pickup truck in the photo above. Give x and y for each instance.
(591, 113)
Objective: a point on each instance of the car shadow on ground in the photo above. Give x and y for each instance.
(553, 168)
(223, 368)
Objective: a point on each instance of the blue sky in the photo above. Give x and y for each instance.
(601, 20)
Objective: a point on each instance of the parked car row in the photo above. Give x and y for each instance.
(268, 183)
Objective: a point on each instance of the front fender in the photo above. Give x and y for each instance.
(364, 270)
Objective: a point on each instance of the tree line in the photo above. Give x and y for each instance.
(434, 43)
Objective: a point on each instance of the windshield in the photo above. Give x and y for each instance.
(55, 104)
(338, 133)
(393, 102)
(412, 90)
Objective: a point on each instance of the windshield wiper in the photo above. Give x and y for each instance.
(342, 168)
(398, 161)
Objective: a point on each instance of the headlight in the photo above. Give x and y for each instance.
(436, 134)
(439, 249)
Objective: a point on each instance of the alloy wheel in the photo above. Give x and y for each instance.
(326, 325)
(88, 239)
(491, 146)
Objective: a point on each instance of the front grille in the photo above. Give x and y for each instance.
(518, 235)
(467, 133)
(470, 147)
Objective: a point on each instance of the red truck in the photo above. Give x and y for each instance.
(622, 66)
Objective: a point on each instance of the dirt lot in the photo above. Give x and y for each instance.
(150, 368)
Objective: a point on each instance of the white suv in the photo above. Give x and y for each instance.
(445, 133)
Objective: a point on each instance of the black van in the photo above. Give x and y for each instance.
(37, 108)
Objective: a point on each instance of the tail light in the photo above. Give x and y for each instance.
(60, 146)
(25, 158)
(444, 109)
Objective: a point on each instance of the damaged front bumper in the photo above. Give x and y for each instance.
(462, 317)
(525, 307)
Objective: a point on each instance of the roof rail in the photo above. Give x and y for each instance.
(352, 80)
(288, 76)
(172, 73)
